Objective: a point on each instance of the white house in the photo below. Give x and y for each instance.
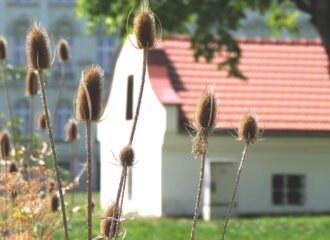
(288, 87)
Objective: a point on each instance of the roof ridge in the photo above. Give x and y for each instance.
(259, 40)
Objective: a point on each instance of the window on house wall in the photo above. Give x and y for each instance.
(19, 55)
(129, 97)
(106, 47)
(288, 189)
(21, 110)
(65, 1)
(23, 1)
(62, 117)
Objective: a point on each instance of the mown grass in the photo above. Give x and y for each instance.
(263, 228)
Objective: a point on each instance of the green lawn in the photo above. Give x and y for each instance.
(264, 228)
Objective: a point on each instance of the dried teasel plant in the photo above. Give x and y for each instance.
(3, 62)
(72, 135)
(248, 132)
(144, 29)
(42, 121)
(205, 120)
(38, 59)
(63, 56)
(5, 145)
(31, 89)
(89, 108)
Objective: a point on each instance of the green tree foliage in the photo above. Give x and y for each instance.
(210, 23)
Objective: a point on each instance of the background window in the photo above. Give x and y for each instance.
(288, 189)
(62, 116)
(106, 47)
(19, 51)
(22, 111)
(23, 1)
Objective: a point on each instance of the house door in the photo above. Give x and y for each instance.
(222, 185)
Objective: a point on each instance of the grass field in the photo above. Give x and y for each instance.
(264, 228)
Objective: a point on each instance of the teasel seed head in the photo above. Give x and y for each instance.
(248, 128)
(42, 121)
(3, 49)
(126, 156)
(72, 131)
(38, 47)
(54, 201)
(13, 168)
(5, 146)
(51, 187)
(63, 50)
(106, 223)
(206, 110)
(144, 27)
(31, 83)
(89, 96)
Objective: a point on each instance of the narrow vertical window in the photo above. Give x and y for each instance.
(129, 98)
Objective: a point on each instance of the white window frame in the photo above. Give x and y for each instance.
(19, 50)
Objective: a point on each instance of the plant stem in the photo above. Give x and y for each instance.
(121, 203)
(198, 197)
(72, 168)
(60, 90)
(10, 107)
(238, 175)
(31, 132)
(137, 112)
(89, 178)
(52, 145)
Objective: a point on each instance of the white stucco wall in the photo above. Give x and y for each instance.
(114, 130)
(275, 155)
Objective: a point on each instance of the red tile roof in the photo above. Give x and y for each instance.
(288, 82)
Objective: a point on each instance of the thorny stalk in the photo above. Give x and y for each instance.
(230, 207)
(198, 197)
(72, 167)
(9, 103)
(89, 178)
(31, 133)
(124, 171)
(54, 154)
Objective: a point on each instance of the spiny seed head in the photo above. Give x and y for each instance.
(37, 47)
(106, 223)
(206, 110)
(13, 167)
(126, 156)
(63, 50)
(5, 146)
(144, 27)
(42, 121)
(51, 187)
(248, 128)
(31, 83)
(3, 49)
(72, 131)
(54, 201)
(89, 96)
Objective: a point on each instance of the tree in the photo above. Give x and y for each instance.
(211, 23)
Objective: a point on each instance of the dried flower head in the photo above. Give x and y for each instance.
(89, 96)
(106, 223)
(206, 110)
(248, 128)
(13, 167)
(3, 49)
(31, 83)
(5, 146)
(63, 50)
(37, 47)
(54, 201)
(72, 131)
(144, 27)
(51, 187)
(126, 156)
(42, 121)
